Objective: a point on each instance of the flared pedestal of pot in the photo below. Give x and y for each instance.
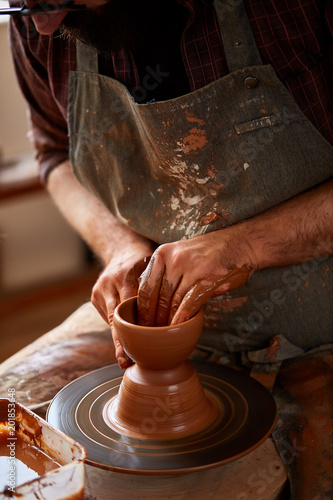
(161, 405)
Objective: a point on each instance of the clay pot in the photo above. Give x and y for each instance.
(161, 396)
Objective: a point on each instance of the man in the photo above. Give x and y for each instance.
(200, 158)
(280, 230)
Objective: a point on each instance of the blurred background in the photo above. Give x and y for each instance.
(46, 270)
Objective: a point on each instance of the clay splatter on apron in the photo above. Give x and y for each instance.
(212, 217)
(196, 137)
(191, 118)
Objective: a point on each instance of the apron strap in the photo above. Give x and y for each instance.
(86, 58)
(238, 41)
(239, 44)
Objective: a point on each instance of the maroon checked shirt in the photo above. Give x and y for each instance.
(294, 36)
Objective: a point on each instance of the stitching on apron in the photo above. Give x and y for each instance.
(265, 121)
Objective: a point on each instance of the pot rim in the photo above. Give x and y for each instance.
(137, 327)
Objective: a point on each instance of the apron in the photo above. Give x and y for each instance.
(200, 162)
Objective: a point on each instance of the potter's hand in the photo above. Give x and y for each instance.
(183, 275)
(118, 282)
(122, 250)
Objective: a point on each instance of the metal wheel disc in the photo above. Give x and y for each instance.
(247, 420)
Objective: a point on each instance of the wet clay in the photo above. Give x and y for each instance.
(200, 293)
(20, 462)
(209, 218)
(161, 396)
(150, 306)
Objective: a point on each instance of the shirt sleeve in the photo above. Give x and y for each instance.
(329, 22)
(47, 124)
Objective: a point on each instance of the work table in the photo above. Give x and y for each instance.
(82, 343)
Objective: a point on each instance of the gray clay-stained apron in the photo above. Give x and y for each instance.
(203, 161)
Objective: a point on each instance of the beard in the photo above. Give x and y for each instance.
(114, 26)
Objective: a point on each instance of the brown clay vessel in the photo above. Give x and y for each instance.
(160, 396)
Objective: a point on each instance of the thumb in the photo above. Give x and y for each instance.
(123, 360)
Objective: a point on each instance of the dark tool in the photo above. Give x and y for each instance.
(42, 8)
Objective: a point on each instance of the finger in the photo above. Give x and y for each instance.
(165, 300)
(148, 292)
(127, 292)
(106, 307)
(192, 302)
(132, 276)
(123, 360)
(98, 302)
(177, 300)
(119, 351)
(235, 278)
(202, 291)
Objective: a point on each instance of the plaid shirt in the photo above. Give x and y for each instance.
(294, 36)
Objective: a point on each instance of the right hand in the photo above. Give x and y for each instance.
(118, 282)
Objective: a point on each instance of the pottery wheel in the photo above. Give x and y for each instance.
(247, 420)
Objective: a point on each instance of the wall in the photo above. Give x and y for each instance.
(13, 122)
(38, 247)
(36, 244)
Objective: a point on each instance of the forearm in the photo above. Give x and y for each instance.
(295, 231)
(89, 217)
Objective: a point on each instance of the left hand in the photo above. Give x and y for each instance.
(118, 282)
(183, 275)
